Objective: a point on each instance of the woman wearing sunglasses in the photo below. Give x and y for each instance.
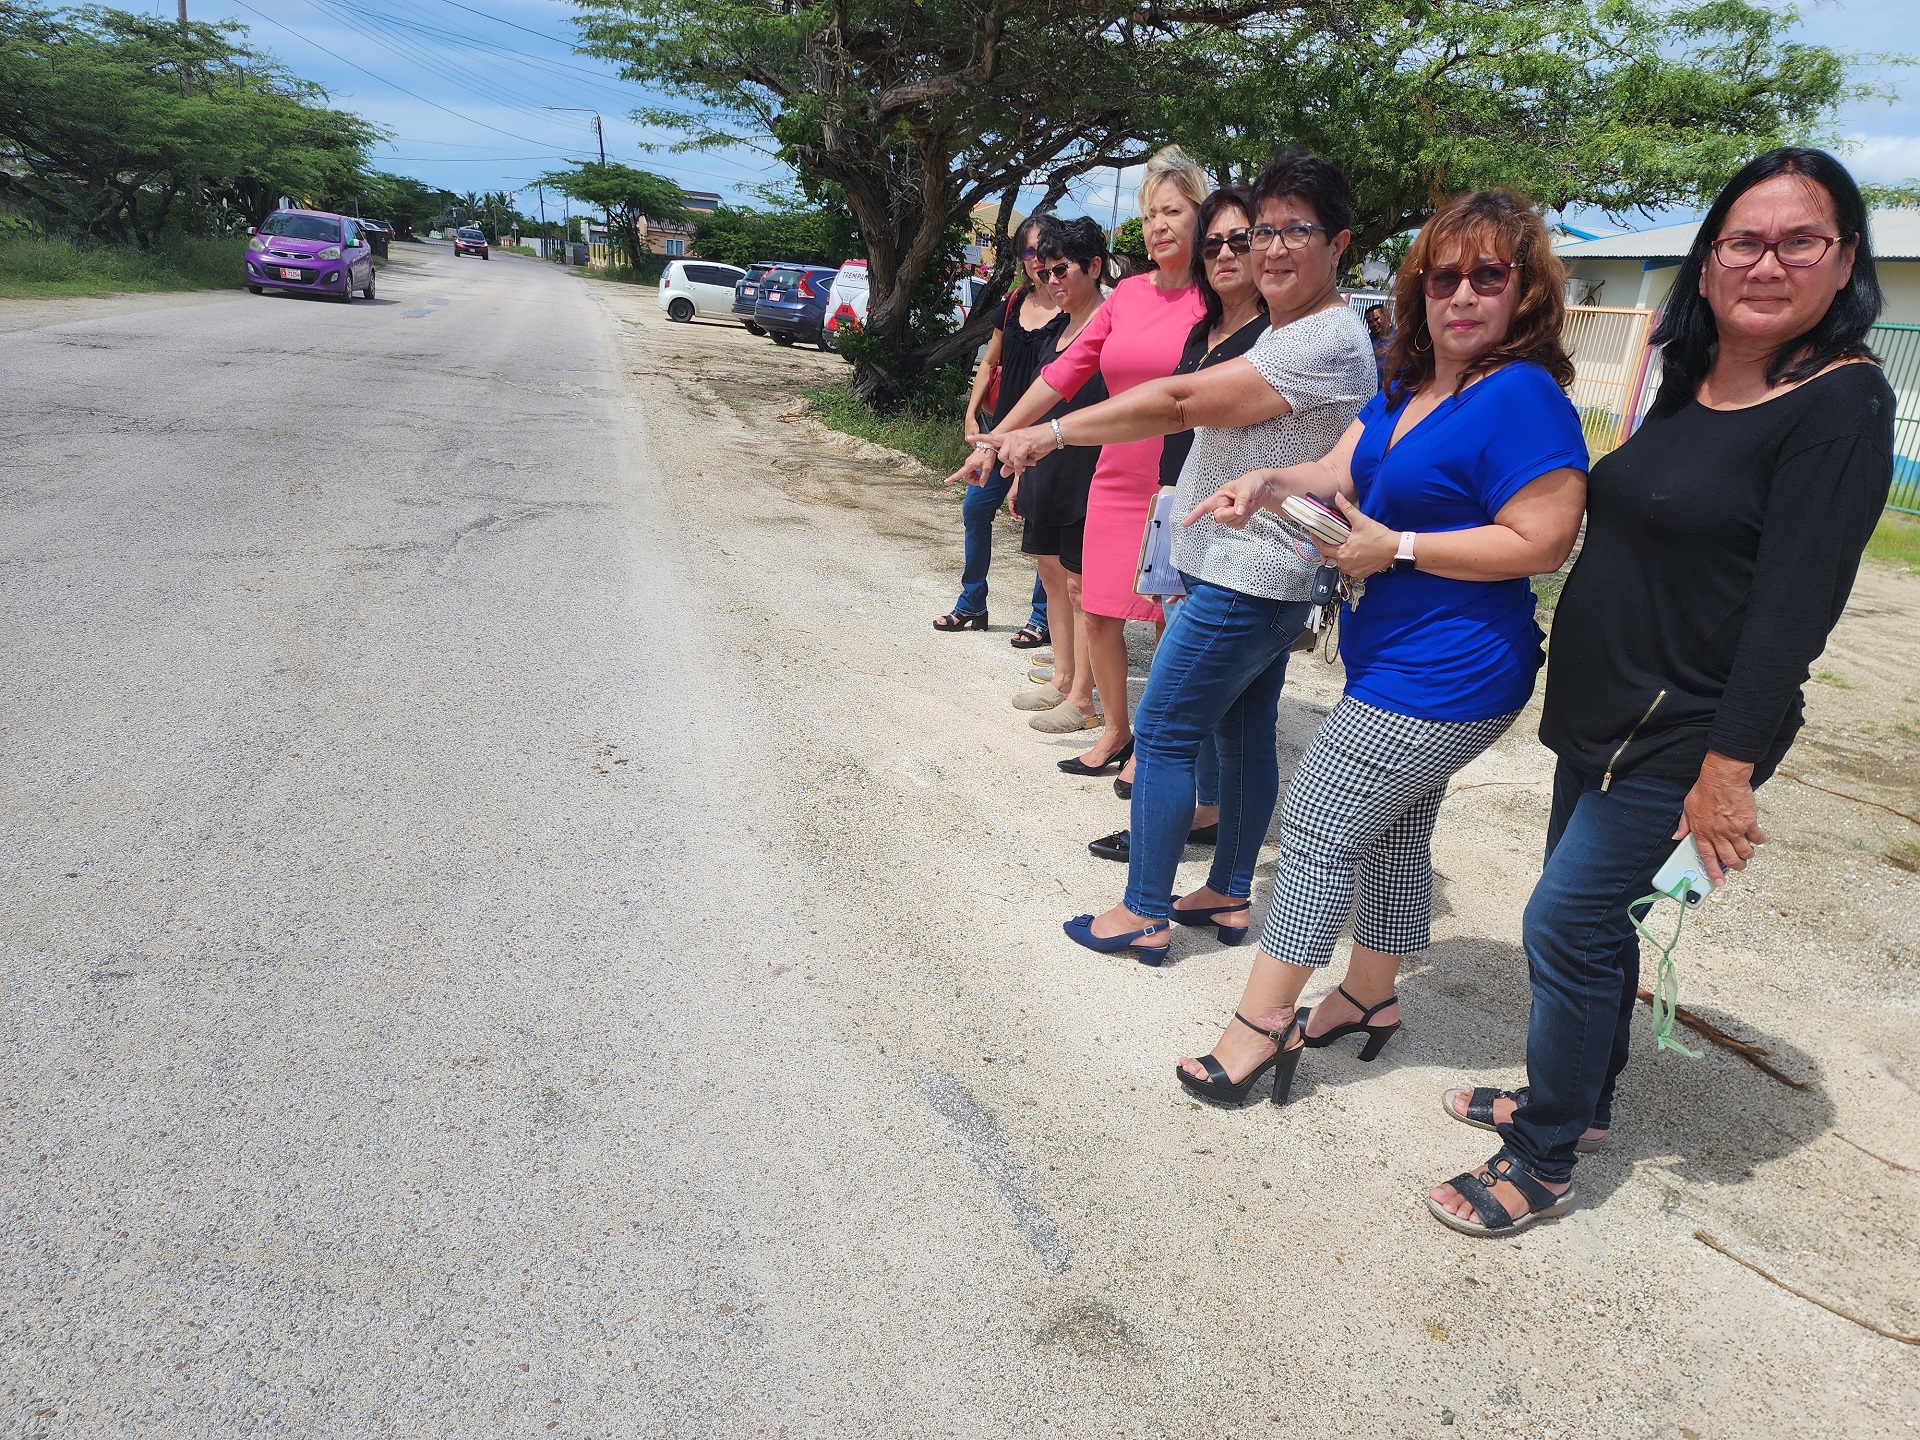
(1015, 348)
(1722, 542)
(1214, 690)
(1136, 337)
(1472, 467)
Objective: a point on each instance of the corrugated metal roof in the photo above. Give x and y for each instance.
(1896, 236)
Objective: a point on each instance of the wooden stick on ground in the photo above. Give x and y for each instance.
(1712, 1244)
(1891, 1164)
(1752, 1054)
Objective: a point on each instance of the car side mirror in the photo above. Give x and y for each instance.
(253, 230)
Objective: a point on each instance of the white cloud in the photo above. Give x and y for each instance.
(1888, 159)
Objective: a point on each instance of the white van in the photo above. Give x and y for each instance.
(699, 287)
(846, 299)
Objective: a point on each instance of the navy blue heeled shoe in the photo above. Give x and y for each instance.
(1226, 934)
(1080, 931)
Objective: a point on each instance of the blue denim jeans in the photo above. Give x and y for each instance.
(1215, 683)
(977, 509)
(1583, 955)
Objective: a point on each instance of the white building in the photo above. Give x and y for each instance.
(1636, 270)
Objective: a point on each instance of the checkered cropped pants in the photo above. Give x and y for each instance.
(1359, 817)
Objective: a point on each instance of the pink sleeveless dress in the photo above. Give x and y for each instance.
(1135, 337)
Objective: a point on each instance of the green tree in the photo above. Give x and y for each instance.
(1130, 239)
(917, 113)
(114, 124)
(626, 195)
(1617, 104)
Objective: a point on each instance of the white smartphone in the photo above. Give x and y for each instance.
(1684, 864)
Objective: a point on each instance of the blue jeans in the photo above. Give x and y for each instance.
(1583, 955)
(1215, 682)
(981, 503)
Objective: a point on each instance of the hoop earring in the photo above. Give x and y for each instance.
(1422, 349)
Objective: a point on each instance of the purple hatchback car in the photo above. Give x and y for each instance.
(310, 250)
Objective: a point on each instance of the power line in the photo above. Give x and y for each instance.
(384, 81)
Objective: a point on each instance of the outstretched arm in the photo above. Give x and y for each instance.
(1238, 501)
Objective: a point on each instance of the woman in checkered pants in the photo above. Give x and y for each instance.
(1466, 475)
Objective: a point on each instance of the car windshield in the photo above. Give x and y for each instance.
(302, 227)
(471, 235)
(783, 279)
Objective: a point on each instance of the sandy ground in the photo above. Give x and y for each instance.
(1287, 1248)
(516, 925)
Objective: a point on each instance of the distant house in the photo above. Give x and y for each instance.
(666, 237)
(1635, 270)
(980, 248)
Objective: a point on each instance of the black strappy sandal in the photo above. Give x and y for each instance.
(1031, 637)
(961, 620)
(1476, 1188)
(1218, 1089)
(1377, 1035)
(1479, 1113)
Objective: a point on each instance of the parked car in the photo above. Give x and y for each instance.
(698, 287)
(470, 240)
(846, 300)
(793, 304)
(311, 250)
(746, 294)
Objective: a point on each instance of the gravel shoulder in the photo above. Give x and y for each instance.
(1233, 1273)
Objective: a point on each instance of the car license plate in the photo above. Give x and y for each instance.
(286, 274)
(776, 295)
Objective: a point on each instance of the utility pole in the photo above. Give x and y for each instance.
(606, 219)
(184, 88)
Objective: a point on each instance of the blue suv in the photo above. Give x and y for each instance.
(746, 293)
(793, 303)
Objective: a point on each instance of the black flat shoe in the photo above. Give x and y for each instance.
(1123, 788)
(1377, 1035)
(1217, 1089)
(1074, 765)
(1116, 847)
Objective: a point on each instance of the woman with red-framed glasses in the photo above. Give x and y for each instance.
(1722, 541)
(1466, 475)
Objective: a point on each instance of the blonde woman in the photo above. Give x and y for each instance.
(1137, 336)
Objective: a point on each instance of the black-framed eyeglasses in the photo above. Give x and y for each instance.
(1056, 272)
(1491, 278)
(1294, 236)
(1743, 252)
(1238, 241)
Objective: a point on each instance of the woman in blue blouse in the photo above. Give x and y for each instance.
(1464, 477)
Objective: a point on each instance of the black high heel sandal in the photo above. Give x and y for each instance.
(961, 620)
(1031, 637)
(1377, 1035)
(1217, 1089)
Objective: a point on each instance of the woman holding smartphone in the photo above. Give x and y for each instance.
(1464, 477)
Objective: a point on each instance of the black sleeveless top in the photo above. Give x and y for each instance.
(1053, 491)
(1022, 353)
(1196, 356)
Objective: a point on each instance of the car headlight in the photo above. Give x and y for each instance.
(332, 252)
(257, 243)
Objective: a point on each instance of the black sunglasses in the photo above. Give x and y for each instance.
(1030, 253)
(1489, 279)
(1240, 242)
(1057, 272)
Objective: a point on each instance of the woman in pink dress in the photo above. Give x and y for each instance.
(1136, 336)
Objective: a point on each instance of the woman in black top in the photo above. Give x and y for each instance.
(1019, 346)
(1051, 498)
(1722, 542)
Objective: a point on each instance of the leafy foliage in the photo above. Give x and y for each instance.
(812, 234)
(113, 123)
(626, 195)
(919, 112)
(1131, 239)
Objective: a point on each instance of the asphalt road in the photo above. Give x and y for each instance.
(513, 927)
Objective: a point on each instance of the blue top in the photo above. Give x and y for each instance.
(1455, 650)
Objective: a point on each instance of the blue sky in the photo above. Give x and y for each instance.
(464, 86)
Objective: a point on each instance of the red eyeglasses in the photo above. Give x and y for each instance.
(1491, 278)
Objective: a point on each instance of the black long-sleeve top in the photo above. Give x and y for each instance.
(1720, 550)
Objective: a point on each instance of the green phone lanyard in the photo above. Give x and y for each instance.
(1666, 984)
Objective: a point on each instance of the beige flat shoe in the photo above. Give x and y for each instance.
(1040, 674)
(1064, 720)
(1045, 698)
